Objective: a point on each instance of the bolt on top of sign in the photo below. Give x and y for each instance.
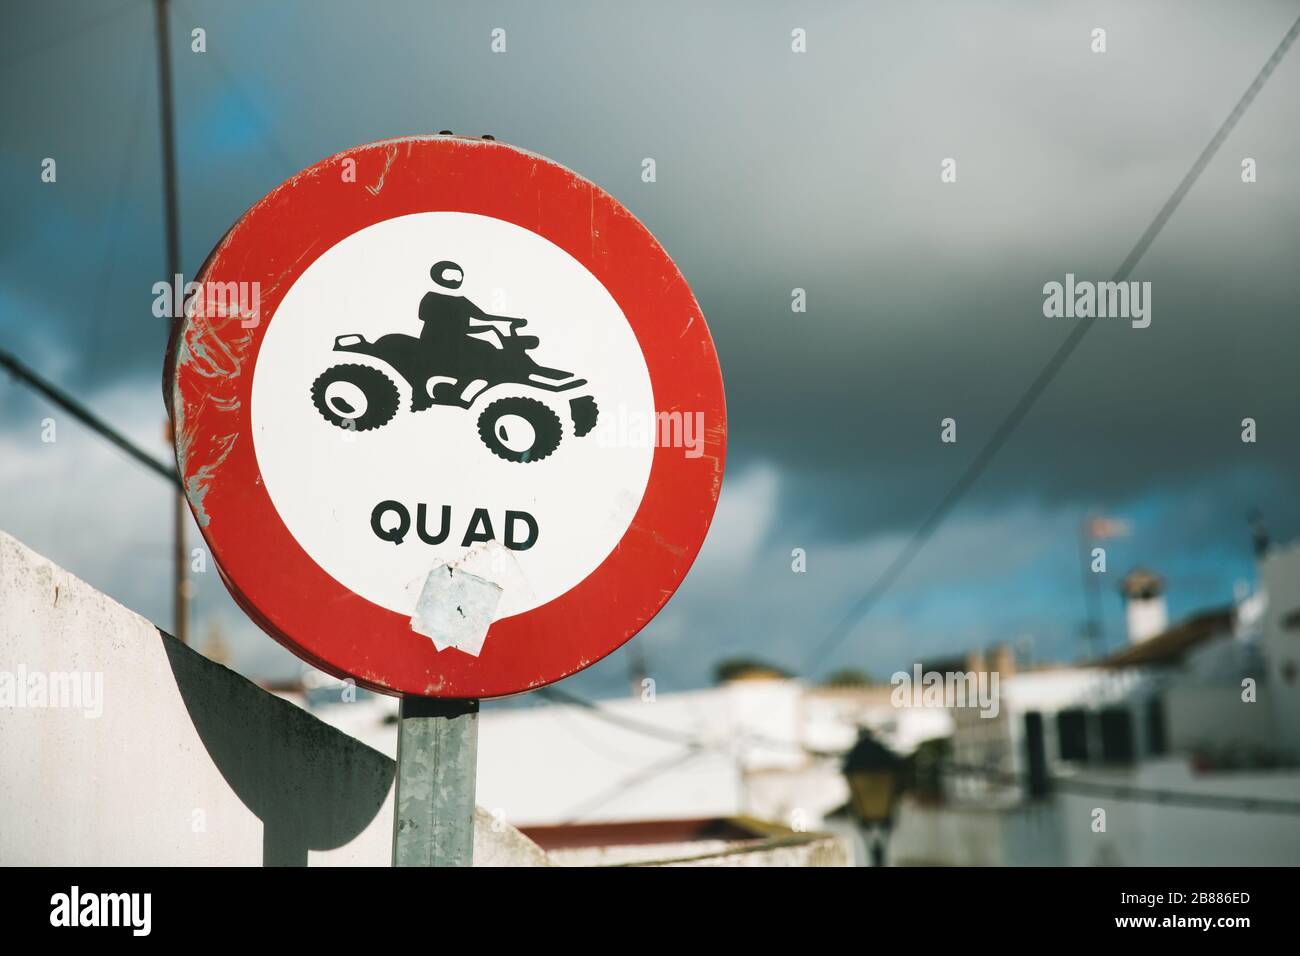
(472, 436)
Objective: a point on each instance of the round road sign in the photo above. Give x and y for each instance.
(448, 416)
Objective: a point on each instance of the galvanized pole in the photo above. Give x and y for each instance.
(433, 808)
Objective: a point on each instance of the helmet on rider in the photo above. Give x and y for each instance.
(447, 274)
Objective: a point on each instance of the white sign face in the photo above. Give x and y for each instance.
(402, 421)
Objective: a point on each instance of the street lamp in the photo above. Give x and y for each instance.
(872, 771)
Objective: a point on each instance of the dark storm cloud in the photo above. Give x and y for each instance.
(775, 171)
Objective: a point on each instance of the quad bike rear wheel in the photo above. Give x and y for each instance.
(355, 397)
(520, 429)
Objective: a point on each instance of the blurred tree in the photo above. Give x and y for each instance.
(849, 677)
(747, 668)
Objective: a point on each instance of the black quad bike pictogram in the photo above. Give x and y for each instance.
(460, 353)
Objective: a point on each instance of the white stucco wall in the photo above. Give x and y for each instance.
(1211, 719)
(1280, 577)
(1144, 833)
(180, 761)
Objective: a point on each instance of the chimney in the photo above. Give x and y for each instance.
(1144, 605)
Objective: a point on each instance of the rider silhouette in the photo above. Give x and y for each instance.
(446, 317)
(446, 331)
(465, 342)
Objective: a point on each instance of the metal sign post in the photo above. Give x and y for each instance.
(433, 807)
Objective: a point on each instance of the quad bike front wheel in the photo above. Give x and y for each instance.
(355, 397)
(520, 429)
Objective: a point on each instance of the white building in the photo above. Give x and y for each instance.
(770, 749)
(1181, 749)
(1280, 577)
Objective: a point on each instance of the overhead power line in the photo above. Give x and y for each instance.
(627, 723)
(20, 56)
(627, 784)
(1185, 798)
(87, 417)
(976, 468)
(691, 744)
(673, 736)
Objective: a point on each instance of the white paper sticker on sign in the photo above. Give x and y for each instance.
(456, 608)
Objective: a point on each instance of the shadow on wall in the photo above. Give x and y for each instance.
(313, 787)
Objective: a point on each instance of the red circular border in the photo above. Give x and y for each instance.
(208, 383)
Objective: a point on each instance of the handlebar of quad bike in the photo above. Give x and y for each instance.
(513, 323)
